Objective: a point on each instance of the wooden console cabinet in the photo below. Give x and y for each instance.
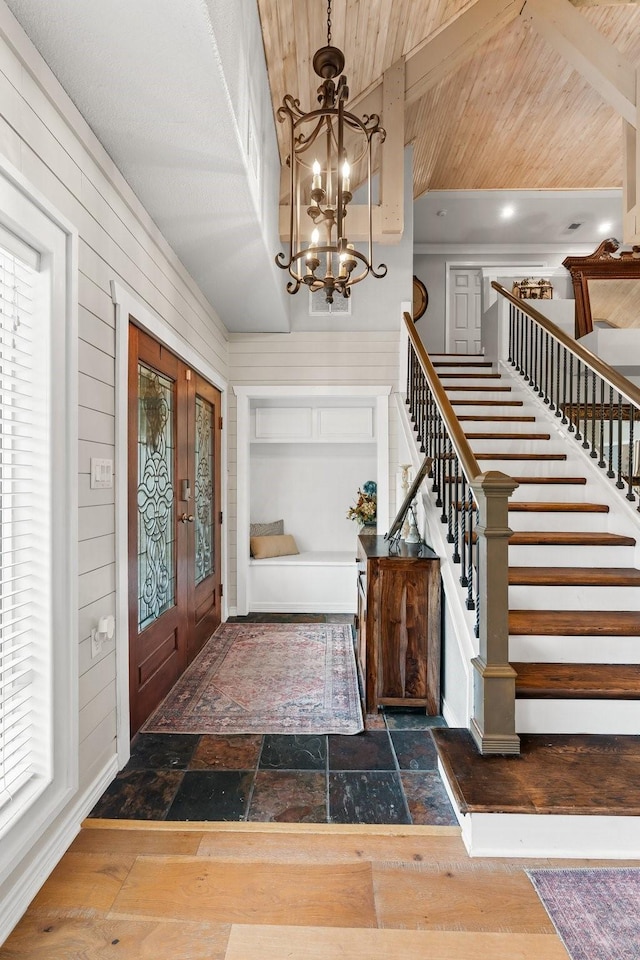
(398, 625)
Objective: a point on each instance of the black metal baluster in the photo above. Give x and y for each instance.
(446, 460)
(470, 515)
(544, 366)
(463, 532)
(563, 412)
(555, 375)
(594, 452)
(619, 481)
(630, 493)
(534, 380)
(476, 627)
(611, 472)
(578, 393)
(409, 358)
(511, 337)
(601, 462)
(585, 442)
(456, 532)
(571, 400)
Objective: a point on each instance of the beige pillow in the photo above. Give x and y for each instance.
(263, 547)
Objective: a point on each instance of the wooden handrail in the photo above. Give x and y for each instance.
(616, 380)
(465, 453)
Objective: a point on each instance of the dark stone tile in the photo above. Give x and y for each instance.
(162, 751)
(410, 719)
(138, 795)
(285, 752)
(370, 750)
(338, 618)
(415, 749)
(427, 799)
(374, 797)
(212, 795)
(289, 796)
(227, 753)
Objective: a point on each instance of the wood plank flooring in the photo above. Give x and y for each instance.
(228, 891)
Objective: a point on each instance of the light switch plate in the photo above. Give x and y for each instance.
(101, 474)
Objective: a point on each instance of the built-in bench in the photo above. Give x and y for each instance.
(320, 581)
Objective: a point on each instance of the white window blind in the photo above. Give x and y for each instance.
(24, 541)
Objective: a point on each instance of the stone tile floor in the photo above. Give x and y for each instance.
(386, 774)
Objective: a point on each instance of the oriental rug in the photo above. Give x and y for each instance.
(267, 678)
(595, 911)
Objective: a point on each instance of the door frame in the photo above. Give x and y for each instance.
(489, 271)
(126, 305)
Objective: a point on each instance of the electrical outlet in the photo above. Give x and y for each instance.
(96, 643)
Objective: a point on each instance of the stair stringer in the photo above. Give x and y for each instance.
(459, 643)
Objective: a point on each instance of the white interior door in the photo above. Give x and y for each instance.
(465, 311)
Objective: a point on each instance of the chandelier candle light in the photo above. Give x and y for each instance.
(320, 179)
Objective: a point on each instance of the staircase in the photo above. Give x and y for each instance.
(574, 577)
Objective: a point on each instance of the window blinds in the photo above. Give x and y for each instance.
(22, 570)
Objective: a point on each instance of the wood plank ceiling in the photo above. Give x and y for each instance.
(514, 116)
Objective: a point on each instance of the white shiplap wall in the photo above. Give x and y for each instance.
(44, 137)
(310, 359)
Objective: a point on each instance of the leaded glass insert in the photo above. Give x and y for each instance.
(156, 525)
(204, 540)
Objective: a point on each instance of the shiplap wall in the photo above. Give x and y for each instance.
(309, 359)
(44, 137)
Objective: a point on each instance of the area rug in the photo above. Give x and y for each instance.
(267, 678)
(595, 911)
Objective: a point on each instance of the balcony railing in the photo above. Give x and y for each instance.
(599, 407)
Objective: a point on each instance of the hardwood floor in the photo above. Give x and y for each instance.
(228, 891)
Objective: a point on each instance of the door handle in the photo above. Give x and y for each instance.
(186, 518)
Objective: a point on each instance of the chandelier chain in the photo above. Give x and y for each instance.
(328, 23)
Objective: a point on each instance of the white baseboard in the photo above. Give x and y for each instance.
(51, 850)
(450, 717)
(312, 607)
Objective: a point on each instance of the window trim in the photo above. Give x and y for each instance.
(29, 216)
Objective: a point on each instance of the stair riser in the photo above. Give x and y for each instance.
(578, 716)
(500, 410)
(527, 597)
(568, 556)
(574, 649)
(515, 446)
(577, 492)
(584, 522)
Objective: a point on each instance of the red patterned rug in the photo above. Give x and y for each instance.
(267, 678)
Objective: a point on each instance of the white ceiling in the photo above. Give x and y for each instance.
(537, 217)
(162, 84)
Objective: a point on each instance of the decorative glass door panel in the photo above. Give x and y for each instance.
(174, 520)
(156, 489)
(204, 493)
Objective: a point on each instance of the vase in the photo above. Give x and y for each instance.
(369, 529)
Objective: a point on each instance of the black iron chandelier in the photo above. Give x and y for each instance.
(320, 254)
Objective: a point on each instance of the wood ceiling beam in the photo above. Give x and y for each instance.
(587, 50)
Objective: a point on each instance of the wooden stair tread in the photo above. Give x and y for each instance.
(574, 623)
(578, 681)
(496, 419)
(520, 456)
(475, 435)
(575, 576)
(548, 480)
(487, 403)
(571, 538)
(468, 376)
(462, 363)
(553, 506)
(479, 389)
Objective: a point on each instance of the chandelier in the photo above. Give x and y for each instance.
(326, 146)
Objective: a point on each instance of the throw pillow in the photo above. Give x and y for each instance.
(279, 546)
(274, 529)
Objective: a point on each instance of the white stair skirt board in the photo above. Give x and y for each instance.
(311, 582)
(556, 649)
(577, 716)
(546, 835)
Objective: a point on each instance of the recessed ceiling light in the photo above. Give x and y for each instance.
(508, 211)
(605, 226)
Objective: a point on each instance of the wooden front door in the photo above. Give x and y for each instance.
(174, 519)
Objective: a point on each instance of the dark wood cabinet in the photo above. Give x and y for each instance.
(398, 625)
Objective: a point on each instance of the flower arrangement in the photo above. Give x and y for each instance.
(365, 509)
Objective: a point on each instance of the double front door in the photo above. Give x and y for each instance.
(174, 519)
